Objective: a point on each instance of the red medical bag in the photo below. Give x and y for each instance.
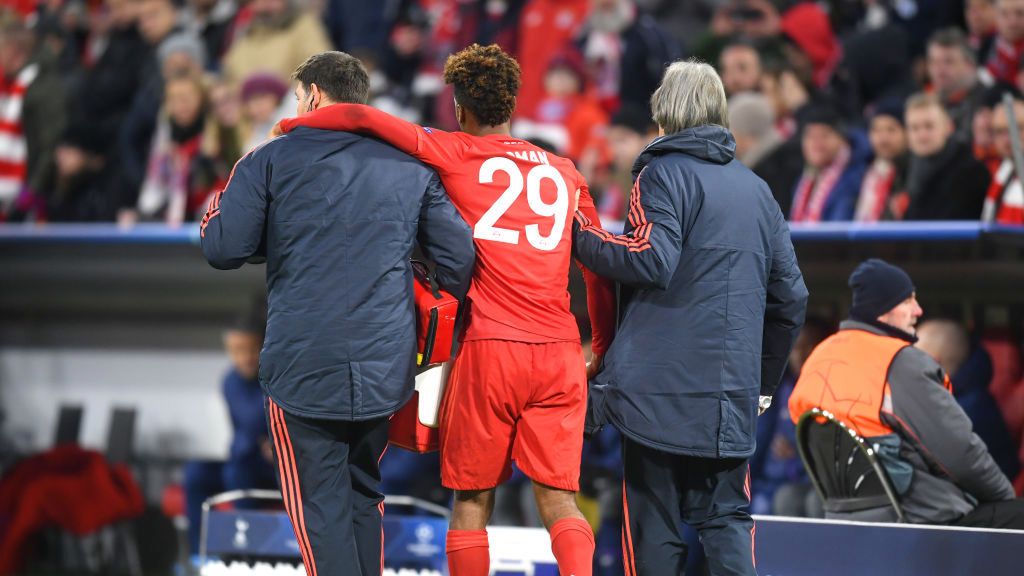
(435, 318)
(414, 426)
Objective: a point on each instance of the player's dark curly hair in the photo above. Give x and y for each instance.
(486, 82)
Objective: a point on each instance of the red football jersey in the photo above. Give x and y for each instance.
(519, 200)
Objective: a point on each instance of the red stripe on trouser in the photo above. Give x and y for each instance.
(292, 478)
(746, 489)
(628, 557)
(746, 484)
(381, 508)
(286, 491)
(298, 490)
(753, 558)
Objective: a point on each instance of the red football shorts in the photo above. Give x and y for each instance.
(517, 401)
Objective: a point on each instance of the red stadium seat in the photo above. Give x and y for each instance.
(1006, 363)
(1012, 407)
(173, 501)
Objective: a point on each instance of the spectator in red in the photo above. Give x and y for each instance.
(1004, 61)
(566, 104)
(740, 67)
(954, 78)
(1004, 202)
(32, 119)
(980, 16)
(887, 173)
(626, 52)
(545, 27)
(169, 192)
(944, 180)
(982, 138)
(808, 28)
(834, 167)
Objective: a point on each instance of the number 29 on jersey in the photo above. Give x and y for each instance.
(487, 229)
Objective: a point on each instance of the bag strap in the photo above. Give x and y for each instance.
(419, 267)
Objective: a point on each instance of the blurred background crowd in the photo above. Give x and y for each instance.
(865, 110)
(851, 110)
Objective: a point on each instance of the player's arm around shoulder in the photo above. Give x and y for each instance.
(646, 257)
(232, 230)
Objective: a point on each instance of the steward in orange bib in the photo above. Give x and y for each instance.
(873, 379)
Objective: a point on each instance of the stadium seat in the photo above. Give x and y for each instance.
(844, 469)
(1006, 363)
(1012, 407)
(69, 424)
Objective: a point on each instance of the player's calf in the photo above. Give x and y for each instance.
(467, 545)
(572, 539)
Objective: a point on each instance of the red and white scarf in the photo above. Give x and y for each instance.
(13, 150)
(815, 187)
(874, 191)
(1004, 203)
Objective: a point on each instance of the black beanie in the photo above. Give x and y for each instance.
(877, 288)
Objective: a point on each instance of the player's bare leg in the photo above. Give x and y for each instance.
(572, 540)
(472, 509)
(467, 547)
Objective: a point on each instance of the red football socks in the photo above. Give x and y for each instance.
(469, 553)
(572, 542)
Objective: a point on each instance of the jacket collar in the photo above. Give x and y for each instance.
(877, 328)
(710, 142)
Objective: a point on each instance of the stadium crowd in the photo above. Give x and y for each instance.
(136, 110)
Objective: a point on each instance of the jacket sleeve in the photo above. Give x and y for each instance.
(785, 306)
(431, 146)
(447, 240)
(648, 255)
(934, 423)
(600, 291)
(233, 228)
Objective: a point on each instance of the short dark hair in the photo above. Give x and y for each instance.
(486, 81)
(340, 76)
(954, 38)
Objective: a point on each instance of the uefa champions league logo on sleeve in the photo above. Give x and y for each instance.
(241, 540)
(424, 544)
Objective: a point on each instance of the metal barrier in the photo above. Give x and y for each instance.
(148, 233)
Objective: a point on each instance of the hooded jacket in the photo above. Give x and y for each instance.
(712, 299)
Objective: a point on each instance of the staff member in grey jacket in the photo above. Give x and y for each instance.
(873, 379)
(713, 301)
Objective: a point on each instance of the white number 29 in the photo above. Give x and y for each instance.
(486, 230)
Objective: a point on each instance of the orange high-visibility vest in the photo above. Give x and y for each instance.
(847, 375)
